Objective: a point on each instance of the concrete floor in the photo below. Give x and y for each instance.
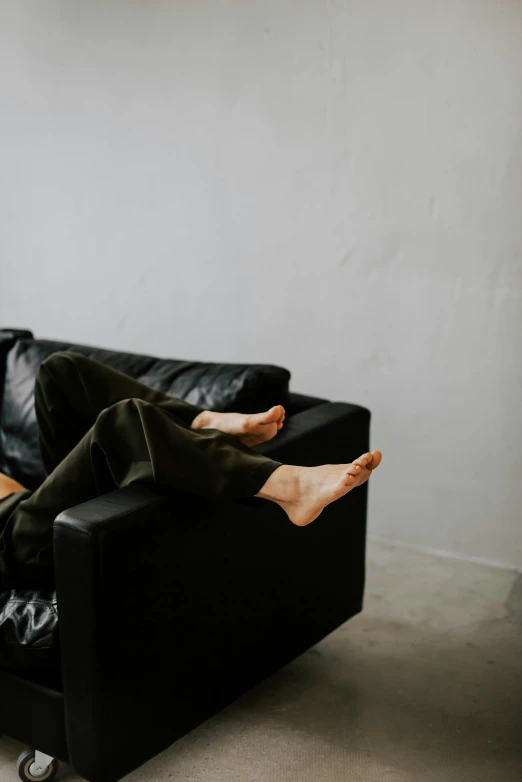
(425, 686)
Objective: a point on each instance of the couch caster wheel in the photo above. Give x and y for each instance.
(36, 769)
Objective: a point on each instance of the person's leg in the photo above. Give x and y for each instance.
(71, 390)
(132, 440)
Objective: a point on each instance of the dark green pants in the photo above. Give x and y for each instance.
(99, 430)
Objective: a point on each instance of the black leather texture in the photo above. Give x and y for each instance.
(243, 388)
(29, 637)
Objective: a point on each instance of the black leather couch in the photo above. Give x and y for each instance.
(167, 606)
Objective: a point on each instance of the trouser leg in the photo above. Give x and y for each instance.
(71, 390)
(132, 440)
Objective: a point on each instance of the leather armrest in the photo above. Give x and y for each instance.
(96, 586)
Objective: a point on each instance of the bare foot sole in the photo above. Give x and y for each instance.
(250, 429)
(304, 492)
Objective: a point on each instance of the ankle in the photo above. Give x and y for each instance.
(282, 485)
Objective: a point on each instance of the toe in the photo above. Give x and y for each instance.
(364, 460)
(255, 421)
(273, 415)
(376, 459)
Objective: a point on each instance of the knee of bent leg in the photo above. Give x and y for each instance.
(122, 415)
(128, 406)
(59, 360)
(56, 362)
(61, 363)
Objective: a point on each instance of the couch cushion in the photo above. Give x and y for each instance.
(29, 630)
(242, 388)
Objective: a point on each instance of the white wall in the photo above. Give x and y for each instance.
(334, 186)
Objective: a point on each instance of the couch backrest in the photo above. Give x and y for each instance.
(239, 387)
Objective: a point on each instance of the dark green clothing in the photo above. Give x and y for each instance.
(98, 430)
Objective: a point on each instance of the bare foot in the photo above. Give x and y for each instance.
(250, 429)
(304, 492)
